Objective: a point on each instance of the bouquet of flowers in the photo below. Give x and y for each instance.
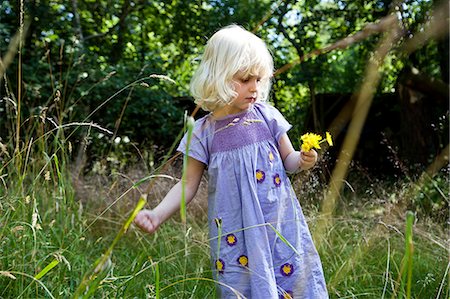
(311, 140)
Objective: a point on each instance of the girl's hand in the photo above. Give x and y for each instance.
(147, 220)
(308, 159)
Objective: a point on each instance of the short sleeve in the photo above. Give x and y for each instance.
(276, 122)
(198, 148)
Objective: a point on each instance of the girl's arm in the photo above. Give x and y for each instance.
(293, 159)
(150, 220)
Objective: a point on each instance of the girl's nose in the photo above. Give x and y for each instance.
(253, 85)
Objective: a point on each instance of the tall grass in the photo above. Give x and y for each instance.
(54, 244)
(175, 264)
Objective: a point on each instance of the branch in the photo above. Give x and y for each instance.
(436, 28)
(266, 17)
(382, 25)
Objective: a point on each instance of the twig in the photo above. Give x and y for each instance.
(382, 25)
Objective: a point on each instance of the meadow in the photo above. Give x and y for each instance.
(64, 235)
(70, 188)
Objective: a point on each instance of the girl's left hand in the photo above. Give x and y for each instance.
(308, 159)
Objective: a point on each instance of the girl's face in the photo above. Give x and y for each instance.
(246, 88)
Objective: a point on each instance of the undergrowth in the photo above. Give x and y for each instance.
(42, 220)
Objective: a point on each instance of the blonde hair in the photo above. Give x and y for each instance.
(228, 51)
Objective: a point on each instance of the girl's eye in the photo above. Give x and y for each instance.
(245, 80)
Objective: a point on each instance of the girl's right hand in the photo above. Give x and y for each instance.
(147, 220)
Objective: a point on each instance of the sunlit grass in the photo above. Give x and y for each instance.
(51, 237)
(361, 256)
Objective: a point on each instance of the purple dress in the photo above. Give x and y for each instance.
(260, 243)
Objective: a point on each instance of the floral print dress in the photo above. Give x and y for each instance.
(260, 243)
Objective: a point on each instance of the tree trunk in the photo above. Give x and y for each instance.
(117, 49)
(422, 101)
(77, 23)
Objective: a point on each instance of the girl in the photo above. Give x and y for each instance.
(260, 243)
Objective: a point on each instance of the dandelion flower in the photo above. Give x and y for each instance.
(310, 141)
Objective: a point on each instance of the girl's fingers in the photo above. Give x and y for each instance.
(144, 221)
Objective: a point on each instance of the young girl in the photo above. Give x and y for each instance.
(260, 243)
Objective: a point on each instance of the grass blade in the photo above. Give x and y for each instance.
(101, 267)
(190, 128)
(46, 269)
(157, 287)
(405, 274)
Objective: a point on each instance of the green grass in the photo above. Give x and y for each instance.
(361, 255)
(56, 239)
(52, 236)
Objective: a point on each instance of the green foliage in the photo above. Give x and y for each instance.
(98, 70)
(76, 46)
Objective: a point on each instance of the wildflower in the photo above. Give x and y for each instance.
(328, 138)
(47, 176)
(311, 140)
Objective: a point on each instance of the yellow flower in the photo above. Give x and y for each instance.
(310, 141)
(328, 138)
